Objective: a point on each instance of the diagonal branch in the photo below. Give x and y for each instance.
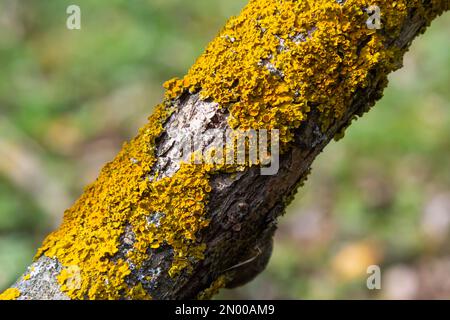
(154, 224)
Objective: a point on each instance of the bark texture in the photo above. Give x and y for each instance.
(243, 206)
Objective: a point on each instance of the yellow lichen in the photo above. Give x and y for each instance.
(269, 66)
(88, 238)
(278, 59)
(169, 211)
(176, 211)
(213, 289)
(10, 294)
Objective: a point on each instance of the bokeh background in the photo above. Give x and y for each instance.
(68, 100)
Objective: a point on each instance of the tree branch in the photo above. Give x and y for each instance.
(154, 225)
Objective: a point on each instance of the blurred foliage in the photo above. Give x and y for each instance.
(68, 100)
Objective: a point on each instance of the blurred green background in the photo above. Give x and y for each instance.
(68, 100)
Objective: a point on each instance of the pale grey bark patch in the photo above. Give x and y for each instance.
(42, 283)
(191, 121)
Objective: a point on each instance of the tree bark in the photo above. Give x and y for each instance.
(230, 242)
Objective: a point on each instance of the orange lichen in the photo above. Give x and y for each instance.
(10, 294)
